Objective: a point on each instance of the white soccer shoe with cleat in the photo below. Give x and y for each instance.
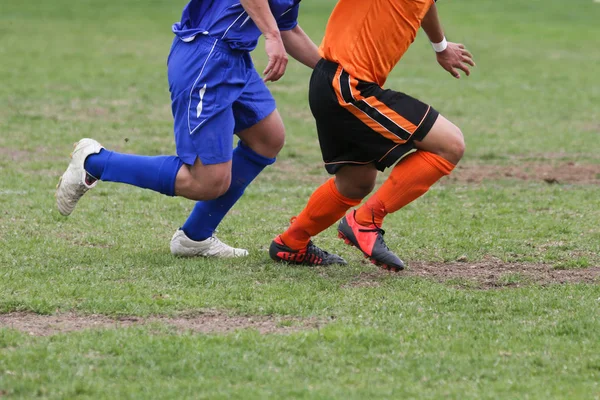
(74, 183)
(183, 246)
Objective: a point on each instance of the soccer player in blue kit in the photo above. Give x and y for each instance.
(215, 93)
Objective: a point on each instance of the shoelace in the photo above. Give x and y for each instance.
(311, 248)
(378, 230)
(379, 237)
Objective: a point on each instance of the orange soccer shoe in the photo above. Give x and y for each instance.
(369, 240)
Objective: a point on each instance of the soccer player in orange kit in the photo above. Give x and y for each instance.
(364, 129)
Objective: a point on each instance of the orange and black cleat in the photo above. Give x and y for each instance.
(310, 255)
(369, 240)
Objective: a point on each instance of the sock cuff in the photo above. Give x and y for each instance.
(94, 163)
(168, 174)
(438, 162)
(253, 156)
(340, 197)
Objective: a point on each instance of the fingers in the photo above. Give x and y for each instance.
(463, 59)
(468, 60)
(268, 68)
(463, 68)
(454, 73)
(466, 53)
(275, 69)
(455, 59)
(277, 59)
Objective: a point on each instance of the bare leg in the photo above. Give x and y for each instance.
(445, 140)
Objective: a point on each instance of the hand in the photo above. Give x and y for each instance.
(277, 58)
(455, 57)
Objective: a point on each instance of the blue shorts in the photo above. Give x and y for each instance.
(215, 93)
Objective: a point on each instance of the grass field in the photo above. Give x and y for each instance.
(502, 298)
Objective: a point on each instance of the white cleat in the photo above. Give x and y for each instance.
(183, 246)
(73, 183)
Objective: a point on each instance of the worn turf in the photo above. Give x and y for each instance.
(523, 206)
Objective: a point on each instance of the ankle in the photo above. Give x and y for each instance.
(94, 163)
(293, 242)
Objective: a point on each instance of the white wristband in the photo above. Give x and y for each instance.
(441, 46)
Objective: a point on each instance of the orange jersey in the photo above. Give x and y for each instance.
(368, 37)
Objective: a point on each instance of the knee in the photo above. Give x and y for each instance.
(219, 187)
(445, 140)
(278, 140)
(452, 147)
(216, 186)
(267, 142)
(274, 142)
(360, 190)
(208, 189)
(355, 185)
(457, 144)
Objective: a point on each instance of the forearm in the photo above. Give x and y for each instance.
(261, 14)
(432, 26)
(301, 47)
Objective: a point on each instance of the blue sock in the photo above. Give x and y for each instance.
(157, 173)
(94, 163)
(207, 215)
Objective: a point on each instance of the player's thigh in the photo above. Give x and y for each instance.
(257, 121)
(204, 140)
(204, 82)
(444, 139)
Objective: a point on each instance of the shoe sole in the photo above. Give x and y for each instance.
(61, 179)
(381, 265)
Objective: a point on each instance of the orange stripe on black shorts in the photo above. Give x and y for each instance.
(371, 110)
(359, 122)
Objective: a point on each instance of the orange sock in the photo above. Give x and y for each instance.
(324, 208)
(410, 179)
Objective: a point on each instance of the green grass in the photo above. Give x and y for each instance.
(98, 68)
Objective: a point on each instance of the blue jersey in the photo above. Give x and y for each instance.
(228, 21)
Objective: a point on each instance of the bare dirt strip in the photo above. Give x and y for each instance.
(551, 173)
(208, 322)
(494, 273)
(485, 275)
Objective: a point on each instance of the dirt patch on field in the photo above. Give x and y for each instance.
(487, 274)
(219, 322)
(44, 325)
(491, 274)
(565, 173)
(552, 171)
(208, 322)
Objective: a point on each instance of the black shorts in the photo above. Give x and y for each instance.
(360, 123)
